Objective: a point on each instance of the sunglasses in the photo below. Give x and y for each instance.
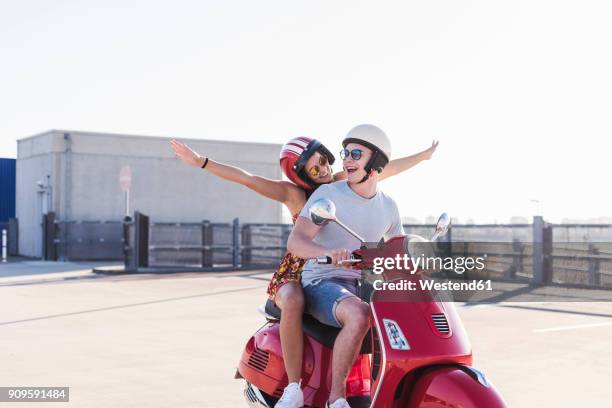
(355, 154)
(315, 170)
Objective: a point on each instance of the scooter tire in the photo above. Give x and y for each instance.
(270, 400)
(359, 402)
(354, 402)
(254, 396)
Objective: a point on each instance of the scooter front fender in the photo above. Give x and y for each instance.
(454, 386)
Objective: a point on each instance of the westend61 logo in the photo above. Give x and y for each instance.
(412, 264)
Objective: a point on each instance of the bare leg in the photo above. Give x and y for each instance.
(290, 299)
(354, 315)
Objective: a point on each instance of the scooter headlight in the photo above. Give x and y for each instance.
(396, 337)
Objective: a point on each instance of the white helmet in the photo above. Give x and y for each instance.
(374, 139)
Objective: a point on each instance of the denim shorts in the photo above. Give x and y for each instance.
(324, 295)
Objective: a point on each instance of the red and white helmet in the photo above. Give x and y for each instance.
(294, 155)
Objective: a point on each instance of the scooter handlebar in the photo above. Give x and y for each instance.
(323, 259)
(326, 260)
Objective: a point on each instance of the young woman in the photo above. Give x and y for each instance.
(307, 163)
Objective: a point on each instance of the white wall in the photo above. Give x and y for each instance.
(36, 158)
(162, 186)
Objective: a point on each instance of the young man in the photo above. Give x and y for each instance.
(330, 290)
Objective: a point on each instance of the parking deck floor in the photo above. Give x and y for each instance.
(174, 340)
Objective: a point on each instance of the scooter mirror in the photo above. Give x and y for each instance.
(322, 211)
(442, 226)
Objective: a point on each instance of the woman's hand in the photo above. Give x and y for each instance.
(429, 152)
(186, 154)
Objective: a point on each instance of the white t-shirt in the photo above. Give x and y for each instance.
(371, 218)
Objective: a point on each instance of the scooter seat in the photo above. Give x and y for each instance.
(322, 333)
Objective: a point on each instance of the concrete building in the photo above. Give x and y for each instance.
(76, 175)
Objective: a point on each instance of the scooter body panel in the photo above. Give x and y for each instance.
(433, 329)
(446, 387)
(427, 346)
(262, 364)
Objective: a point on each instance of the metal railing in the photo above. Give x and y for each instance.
(540, 252)
(204, 245)
(81, 240)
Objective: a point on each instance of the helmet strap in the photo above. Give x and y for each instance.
(368, 166)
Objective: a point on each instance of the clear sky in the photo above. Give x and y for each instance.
(519, 93)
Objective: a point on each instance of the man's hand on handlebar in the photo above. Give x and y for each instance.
(338, 256)
(341, 257)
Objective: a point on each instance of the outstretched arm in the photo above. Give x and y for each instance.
(398, 165)
(402, 164)
(278, 190)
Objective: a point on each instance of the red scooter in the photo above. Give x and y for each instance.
(420, 352)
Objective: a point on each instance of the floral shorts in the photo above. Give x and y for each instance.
(289, 270)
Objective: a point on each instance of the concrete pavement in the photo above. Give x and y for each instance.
(174, 340)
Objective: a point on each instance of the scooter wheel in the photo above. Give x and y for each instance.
(359, 402)
(255, 395)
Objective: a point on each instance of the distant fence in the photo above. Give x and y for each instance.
(539, 252)
(82, 240)
(205, 245)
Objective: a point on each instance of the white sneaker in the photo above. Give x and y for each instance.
(339, 403)
(292, 397)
